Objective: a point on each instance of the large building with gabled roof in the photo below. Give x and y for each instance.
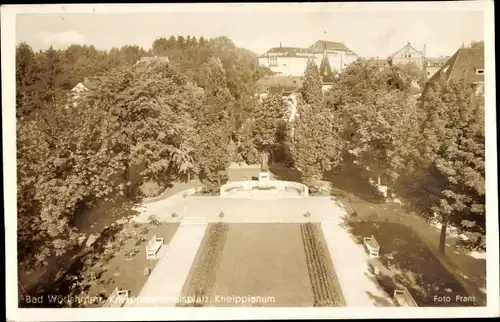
(408, 54)
(292, 61)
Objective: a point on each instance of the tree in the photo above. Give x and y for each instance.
(246, 148)
(380, 131)
(316, 145)
(268, 116)
(325, 70)
(28, 78)
(139, 121)
(477, 44)
(215, 123)
(451, 159)
(312, 92)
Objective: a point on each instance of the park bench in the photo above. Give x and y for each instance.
(117, 298)
(402, 297)
(153, 246)
(372, 246)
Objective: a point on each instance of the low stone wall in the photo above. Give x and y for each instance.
(237, 185)
(187, 192)
(249, 185)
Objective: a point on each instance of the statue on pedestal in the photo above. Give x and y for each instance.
(263, 163)
(264, 171)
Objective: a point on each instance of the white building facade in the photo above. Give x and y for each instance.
(292, 61)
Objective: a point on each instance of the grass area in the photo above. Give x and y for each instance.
(266, 261)
(412, 264)
(116, 259)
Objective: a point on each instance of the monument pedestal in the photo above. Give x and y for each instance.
(264, 179)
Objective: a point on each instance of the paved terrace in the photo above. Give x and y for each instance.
(243, 210)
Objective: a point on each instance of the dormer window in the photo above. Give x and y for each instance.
(480, 71)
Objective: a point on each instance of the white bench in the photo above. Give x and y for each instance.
(117, 298)
(372, 246)
(153, 246)
(403, 297)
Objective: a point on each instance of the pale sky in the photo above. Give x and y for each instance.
(367, 33)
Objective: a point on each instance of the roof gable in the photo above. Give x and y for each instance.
(407, 49)
(463, 65)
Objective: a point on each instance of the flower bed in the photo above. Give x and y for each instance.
(326, 293)
(202, 275)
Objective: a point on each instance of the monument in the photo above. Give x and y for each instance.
(264, 175)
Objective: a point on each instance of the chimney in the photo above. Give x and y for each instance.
(280, 45)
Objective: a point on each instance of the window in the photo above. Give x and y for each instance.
(267, 89)
(479, 71)
(273, 61)
(409, 55)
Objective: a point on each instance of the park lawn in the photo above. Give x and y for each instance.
(414, 265)
(265, 260)
(118, 260)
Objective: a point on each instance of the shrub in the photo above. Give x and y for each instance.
(154, 220)
(150, 189)
(307, 215)
(221, 215)
(175, 215)
(139, 240)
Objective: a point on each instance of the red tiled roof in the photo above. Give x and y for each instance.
(463, 65)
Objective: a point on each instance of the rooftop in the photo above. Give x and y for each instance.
(318, 47)
(466, 64)
(322, 45)
(286, 51)
(408, 46)
(277, 84)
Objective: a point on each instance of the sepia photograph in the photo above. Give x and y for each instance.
(249, 161)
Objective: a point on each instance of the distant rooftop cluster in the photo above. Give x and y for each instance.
(317, 48)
